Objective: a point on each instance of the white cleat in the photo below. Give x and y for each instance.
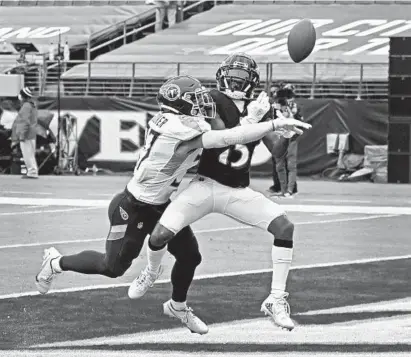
(143, 282)
(186, 316)
(46, 275)
(279, 311)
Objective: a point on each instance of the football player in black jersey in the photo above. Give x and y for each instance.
(221, 186)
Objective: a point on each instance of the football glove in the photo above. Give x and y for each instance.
(257, 109)
(288, 127)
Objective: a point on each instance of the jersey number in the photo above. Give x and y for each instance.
(236, 157)
(150, 139)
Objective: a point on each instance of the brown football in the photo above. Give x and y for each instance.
(301, 40)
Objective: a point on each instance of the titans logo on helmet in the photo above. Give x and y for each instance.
(171, 92)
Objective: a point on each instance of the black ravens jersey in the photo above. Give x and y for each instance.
(229, 166)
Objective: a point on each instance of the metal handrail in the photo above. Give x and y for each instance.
(117, 24)
(124, 35)
(219, 62)
(360, 83)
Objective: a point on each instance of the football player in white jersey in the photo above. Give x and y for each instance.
(185, 105)
(221, 186)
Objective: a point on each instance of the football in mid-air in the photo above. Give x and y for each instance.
(301, 40)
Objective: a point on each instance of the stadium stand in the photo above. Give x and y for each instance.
(77, 25)
(90, 28)
(85, 28)
(350, 61)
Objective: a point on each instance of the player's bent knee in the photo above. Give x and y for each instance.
(161, 236)
(190, 259)
(196, 259)
(283, 230)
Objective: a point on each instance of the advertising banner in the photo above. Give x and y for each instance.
(110, 131)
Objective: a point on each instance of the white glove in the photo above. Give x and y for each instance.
(288, 127)
(257, 109)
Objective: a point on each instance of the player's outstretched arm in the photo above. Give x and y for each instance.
(240, 135)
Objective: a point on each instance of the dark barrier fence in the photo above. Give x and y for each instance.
(110, 131)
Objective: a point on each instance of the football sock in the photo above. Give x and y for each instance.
(282, 258)
(178, 305)
(155, 256)
(181, 278)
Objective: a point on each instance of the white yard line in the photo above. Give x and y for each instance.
(79, 202)
(213, 276)
(47, 211)
(25, 193)
(223, 229)
(75, 202)
(329, 200)
(101, 194)
(348, 219)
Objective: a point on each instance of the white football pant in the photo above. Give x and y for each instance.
(204, 196)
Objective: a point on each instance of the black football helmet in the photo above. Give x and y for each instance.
(186, 95)
(238, 76)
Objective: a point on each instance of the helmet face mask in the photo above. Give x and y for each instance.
(185, 95)
(202, 105)
(238, 76)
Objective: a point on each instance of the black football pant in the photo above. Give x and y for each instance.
(278, 147)
(130, 222)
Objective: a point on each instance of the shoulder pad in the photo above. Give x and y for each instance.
(179, 127)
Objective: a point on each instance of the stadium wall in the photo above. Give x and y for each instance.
(110, 131)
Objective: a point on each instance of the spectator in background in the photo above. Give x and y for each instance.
(284, 161)
(287, 164)
(51, 52)
(272, 140)
(165, 8)
(22, 58)
(66, 55)
(23, 132)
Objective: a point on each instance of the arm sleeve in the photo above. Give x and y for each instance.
(238, 135)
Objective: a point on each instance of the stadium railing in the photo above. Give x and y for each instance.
(312, 80)
(134, 31)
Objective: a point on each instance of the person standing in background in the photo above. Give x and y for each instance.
(165, 8)
(23, 132)
(66, 55)
(273, 142)
(287, 164)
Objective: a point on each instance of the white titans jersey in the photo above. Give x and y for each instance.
(159, 171)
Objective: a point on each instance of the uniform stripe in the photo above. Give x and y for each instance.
(115, 235)
(119, 229)
(172, 165)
